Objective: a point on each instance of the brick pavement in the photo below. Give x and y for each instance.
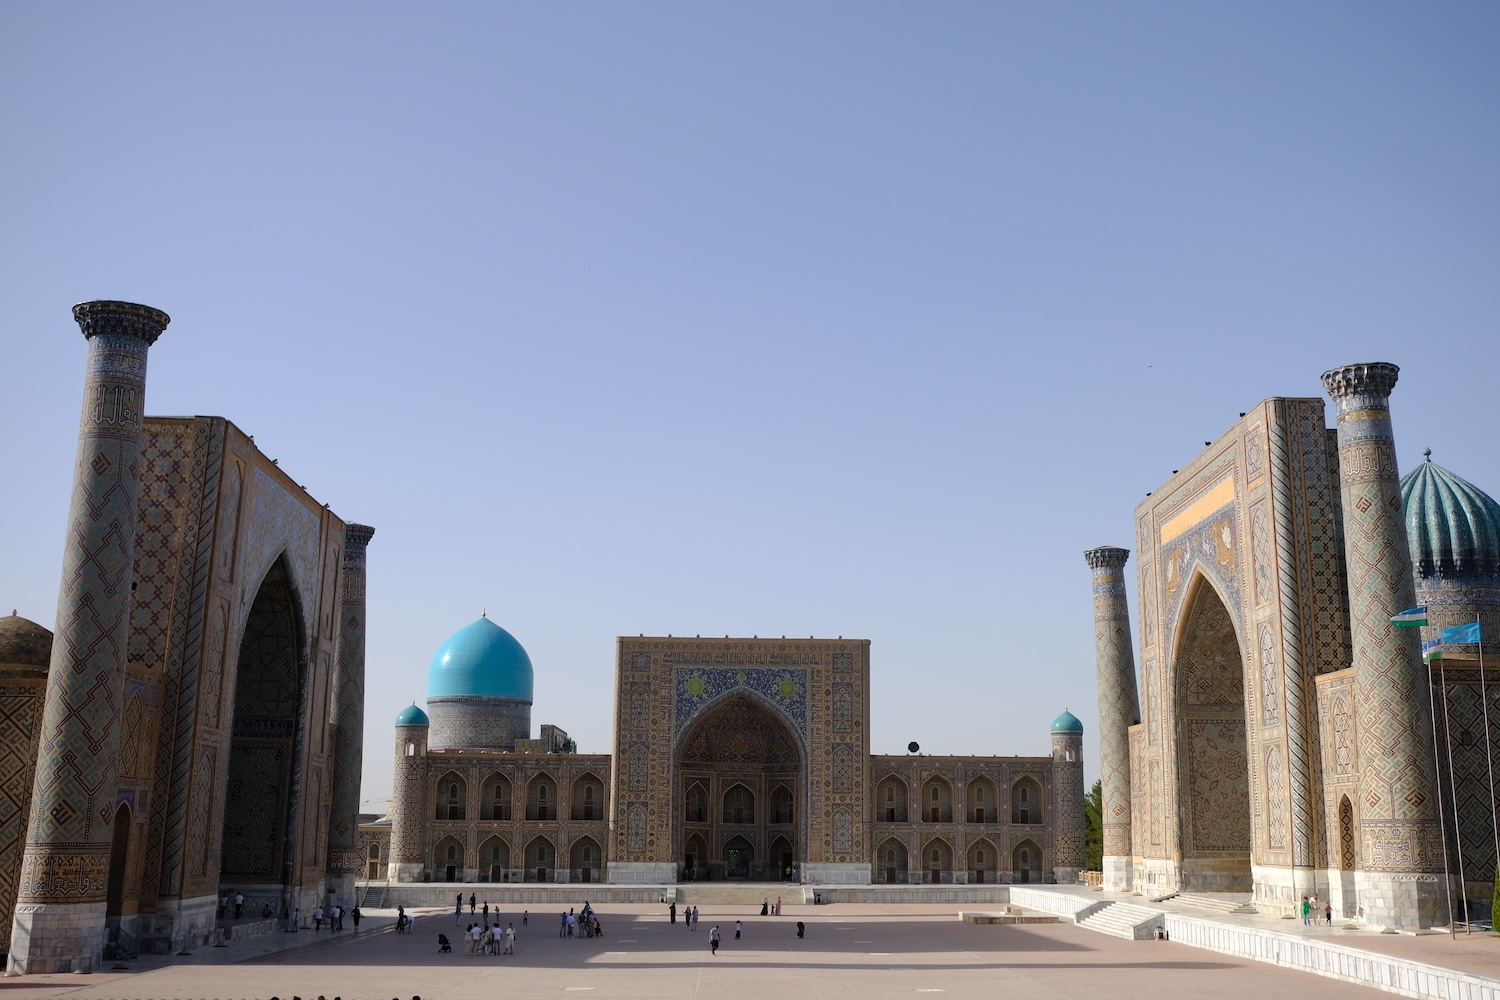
(861, 952)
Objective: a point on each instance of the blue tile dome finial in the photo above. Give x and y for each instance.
(411, 715)
(1067, 723)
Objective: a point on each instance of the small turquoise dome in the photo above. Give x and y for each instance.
(480, 660)
(1452, 526)
(411, 715)
(1067, 723)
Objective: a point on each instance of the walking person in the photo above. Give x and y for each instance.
(355, 915)
(800, 928)
(510, 939)
(562, 927)
(1328, 912)
(471, 902)
(486, 911)
(297, 920)
(736, 930)
(1306, 912)
(713, 939)
(458, 910)
(239, 904)
(672, 914)
(525, 916)
(765, 906)
(317, 918)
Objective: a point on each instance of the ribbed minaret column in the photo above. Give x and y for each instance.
(1119, 707)
(346, 712)
(60, 901)
(1400, 864)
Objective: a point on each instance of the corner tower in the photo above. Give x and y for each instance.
(1070, 831)
(409, 798)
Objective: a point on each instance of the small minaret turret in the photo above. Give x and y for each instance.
(1070, 824)
(409, 797)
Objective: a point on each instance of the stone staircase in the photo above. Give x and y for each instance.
(1227, 902)
(737, 893)
(1122, 920)
(373, 897)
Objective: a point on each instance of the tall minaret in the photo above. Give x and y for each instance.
(60, 900)
(1400, 881)
(1119, 707)
(346, 712)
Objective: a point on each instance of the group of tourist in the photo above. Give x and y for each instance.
(1311, 911)
(584, 924)
(486, 939)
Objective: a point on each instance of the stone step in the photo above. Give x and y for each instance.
(1224, 903)
(1124, 920)
(732, 894)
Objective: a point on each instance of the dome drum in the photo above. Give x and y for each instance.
(471, 723)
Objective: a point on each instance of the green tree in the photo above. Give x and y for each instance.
(1093, 810)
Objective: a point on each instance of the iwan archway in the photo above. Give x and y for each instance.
(1213, 779)
(259, 839)
(740, 789)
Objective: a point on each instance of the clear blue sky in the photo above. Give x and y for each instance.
(850, 319)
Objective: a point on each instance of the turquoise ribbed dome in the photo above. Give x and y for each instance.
(411, 715)
(1452, 526)
(1067, 723)
(480, 660)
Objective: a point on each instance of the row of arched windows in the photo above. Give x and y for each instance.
(496, 798)
(737, 804)
(537, 862)
(982, 860)
(936, 803)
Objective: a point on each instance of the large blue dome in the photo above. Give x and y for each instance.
(480, 660)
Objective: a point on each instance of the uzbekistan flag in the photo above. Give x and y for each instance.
(1414, 618)
(1460, 634)
(1432, 650)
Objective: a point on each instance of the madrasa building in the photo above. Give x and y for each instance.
(734, 760)
(1282, 738)
(194, 726)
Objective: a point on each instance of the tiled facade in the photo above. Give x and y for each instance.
(734, 759)
(1271, 679)
(218, 748)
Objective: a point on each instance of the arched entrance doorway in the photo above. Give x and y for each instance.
(258, 842)
(1214, 775)
(741, 785)
(119, 854)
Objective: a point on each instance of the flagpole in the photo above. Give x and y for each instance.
(1489, 756)
(1458, 834)
(1442, 824)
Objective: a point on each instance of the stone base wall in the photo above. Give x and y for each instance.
(837, 874)
(637, 872)
(1216, 875)
(1279, 891)
(1117, 874)
(57, 937)
(406, 871)
(1404, 902)
(1154, 876)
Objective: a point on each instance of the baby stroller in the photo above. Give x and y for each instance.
(443, 944)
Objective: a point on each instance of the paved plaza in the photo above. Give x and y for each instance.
(851, 951)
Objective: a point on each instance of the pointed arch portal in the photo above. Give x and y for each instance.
(743, 760)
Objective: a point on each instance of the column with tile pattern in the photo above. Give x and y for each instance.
(1400, 869)
(1119, 707)
(346, 712)
(59, 922)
